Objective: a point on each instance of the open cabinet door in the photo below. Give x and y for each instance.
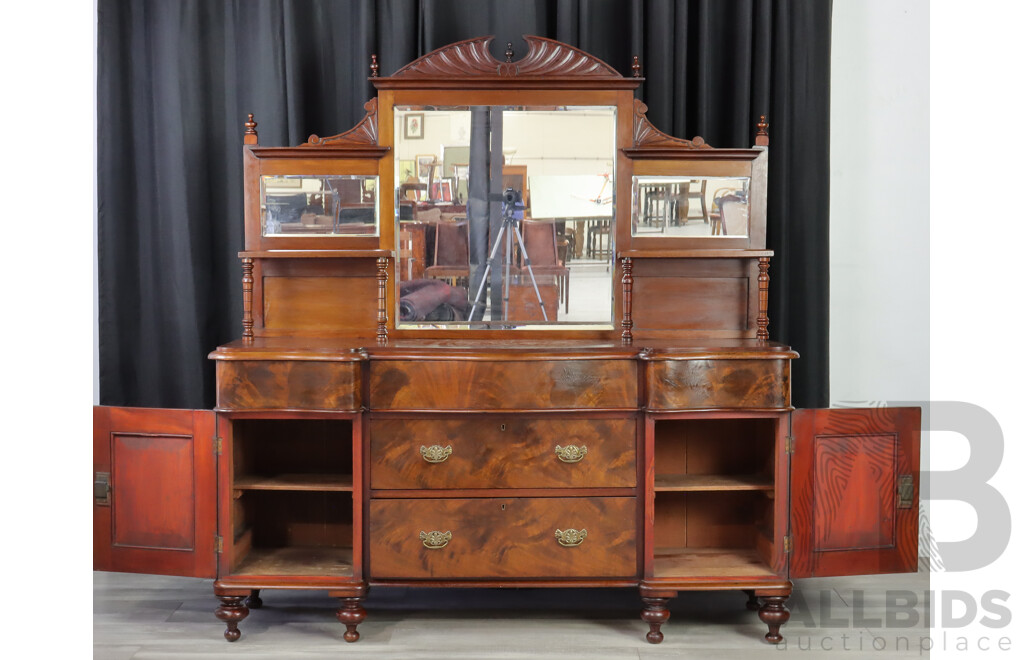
(855, 484)
(154, 491)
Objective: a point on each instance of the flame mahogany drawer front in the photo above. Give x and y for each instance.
(718, 383)
(495, 451)
(533, 538)
(288, 384)
(502, 385)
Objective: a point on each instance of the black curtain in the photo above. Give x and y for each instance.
(176, 79)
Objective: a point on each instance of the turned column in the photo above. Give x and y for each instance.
(762, 297)
(231, 611)
(247, 282)
(773, 613)
(382, 305)
(351, 613)
(627, 300)
(655, 614)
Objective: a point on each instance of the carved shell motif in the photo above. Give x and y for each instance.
(363, 133)
(646, 135)
(472, 57)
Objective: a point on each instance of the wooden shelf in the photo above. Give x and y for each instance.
(317, 254)
(301, 561)
(305, 482)
(720, 253)
(708, 563)
(706, 482)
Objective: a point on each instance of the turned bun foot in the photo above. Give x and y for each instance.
(232, 611)
(254, 602)
(774, 614)
(753, 604)
(351, 614)
(655, 614)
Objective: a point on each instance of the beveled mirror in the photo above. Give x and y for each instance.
(505, 215)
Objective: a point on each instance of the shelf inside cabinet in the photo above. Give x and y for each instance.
(708, 562)
(711, 482)
(308, 482)
(301, 561)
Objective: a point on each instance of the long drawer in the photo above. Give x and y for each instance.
(502, 452)
(288, 384)
(502, 385)
(503, 538)
(718, 383)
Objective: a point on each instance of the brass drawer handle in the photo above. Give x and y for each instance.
(435, 540)
(435, 453)
(570, 538)
(570, 453)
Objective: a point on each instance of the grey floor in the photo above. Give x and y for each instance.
(141, 617)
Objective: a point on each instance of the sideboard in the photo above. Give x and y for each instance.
(518, 411)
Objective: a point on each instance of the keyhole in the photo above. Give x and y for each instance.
(502, 507)
(503, 428)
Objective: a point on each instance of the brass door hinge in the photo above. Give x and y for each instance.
(218, 446)
(218, 543)
(905, 491)
(789, 444)
(787, 544)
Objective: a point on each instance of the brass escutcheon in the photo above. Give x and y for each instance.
(570, 453)
(570, 538)
(435, 540)
(435, 453)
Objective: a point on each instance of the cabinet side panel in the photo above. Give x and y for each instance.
(862, 464)
(855, 491)
(161, 513)
(155, 503)
(693, 295)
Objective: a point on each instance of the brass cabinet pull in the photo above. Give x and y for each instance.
(435, 453)
(435, 540)
(570, 538)
(570, 453)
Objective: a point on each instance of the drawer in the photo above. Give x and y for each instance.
(502, 452)
(288, 384)
(718, 383)
(503, 538)
(502, 385)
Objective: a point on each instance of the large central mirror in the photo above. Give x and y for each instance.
(505, 216)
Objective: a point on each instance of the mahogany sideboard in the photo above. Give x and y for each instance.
(376, 429)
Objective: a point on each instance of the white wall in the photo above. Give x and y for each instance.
(879, 201)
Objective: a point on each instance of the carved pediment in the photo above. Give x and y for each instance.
(544, 57)
(362, 134)
(646, 135)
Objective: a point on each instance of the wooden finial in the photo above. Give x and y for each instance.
(250, 136)
(761, 139)
(374, 67)
(509, 52)
(636, 66)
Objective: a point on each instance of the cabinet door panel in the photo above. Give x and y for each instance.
(160, 514)
(855, 490)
